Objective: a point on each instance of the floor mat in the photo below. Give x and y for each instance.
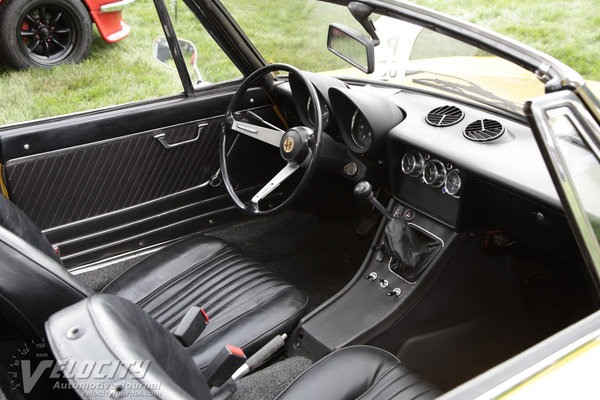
(267, 383)
(318, 257)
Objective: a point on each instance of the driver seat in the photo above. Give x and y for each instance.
(246, 303)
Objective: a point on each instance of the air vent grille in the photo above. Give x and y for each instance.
(444, 116)
(483, 130)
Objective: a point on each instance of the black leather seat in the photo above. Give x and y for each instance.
(111, 328)
(247, 304)
(363, 372)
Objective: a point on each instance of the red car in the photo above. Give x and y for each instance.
(44, 33)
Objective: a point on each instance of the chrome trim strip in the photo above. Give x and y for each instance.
(538, 367)
(113, 139)
(424, 231)
(96, 217)
(81, 269)
(116, 6)
(537, 110)
(141, 235)
(137, 221)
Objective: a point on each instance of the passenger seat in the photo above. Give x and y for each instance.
(108, 328)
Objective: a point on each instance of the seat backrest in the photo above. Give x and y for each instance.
(34, 284)
(15, 220)
(120, 346)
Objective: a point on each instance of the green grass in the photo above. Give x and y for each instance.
(292, 32)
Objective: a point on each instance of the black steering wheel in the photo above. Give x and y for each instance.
(299, 146)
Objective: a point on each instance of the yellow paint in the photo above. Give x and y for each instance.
(2, 184)
(494, 74)
(553, 371)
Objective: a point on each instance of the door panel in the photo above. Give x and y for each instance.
(77, 183)
(101, 184)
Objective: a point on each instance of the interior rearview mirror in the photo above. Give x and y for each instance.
(352, 47)
(162, 54)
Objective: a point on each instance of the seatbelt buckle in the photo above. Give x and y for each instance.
(225, 363)
(191, 326)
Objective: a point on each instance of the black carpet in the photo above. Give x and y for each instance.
(267, 383)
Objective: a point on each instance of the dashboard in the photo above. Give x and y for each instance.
(456, 162)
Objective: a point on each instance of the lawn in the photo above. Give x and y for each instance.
(125, 71)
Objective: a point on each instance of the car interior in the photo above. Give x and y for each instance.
(368, 223)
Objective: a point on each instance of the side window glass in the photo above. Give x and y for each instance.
(207, 64)
(117, 67)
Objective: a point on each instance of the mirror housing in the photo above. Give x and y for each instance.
(162, 53)
(352, 47)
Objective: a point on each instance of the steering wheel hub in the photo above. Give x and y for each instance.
(294, 144)
(298, 146)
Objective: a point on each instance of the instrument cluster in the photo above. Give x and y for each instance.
(432, 172)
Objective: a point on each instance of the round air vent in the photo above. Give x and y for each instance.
(483, 130)
(444, 116)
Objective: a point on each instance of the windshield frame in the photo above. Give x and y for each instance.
(553, 73)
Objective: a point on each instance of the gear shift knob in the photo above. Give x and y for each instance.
(364, 191)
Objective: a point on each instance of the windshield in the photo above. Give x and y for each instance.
(295, 32)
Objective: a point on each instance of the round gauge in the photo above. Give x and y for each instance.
(453, 182)
(360, 131)
(412, 164)
(310, 112)
(434, 173)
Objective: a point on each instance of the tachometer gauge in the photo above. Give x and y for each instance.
(453, 182)
(412, 164)
(360, 131)
(310, 112)
(434, 173)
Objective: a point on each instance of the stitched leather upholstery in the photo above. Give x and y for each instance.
(18, 223)
(114, 330)
(359, 372)
(245, 302)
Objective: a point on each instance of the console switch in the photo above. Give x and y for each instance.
(372, 276)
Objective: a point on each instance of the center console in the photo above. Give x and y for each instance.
(384, 289)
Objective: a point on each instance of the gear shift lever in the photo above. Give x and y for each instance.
(364, 191)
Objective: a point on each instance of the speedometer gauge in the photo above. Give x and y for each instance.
(360, 131)
(310, 112)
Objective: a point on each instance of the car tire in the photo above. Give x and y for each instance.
(44, 33)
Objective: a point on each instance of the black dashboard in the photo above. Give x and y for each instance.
(456, 162)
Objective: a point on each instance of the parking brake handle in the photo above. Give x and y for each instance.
(364, 191)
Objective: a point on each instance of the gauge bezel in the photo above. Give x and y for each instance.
(443, 174)
(419, 164)
(454, 171)
(353, 120)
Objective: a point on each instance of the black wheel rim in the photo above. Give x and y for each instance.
(46, 33)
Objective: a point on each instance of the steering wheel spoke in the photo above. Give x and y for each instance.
(299, 146)
(267, 135)
(274, 183)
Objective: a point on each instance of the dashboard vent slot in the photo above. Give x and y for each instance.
(483, 130)
(444, 116)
